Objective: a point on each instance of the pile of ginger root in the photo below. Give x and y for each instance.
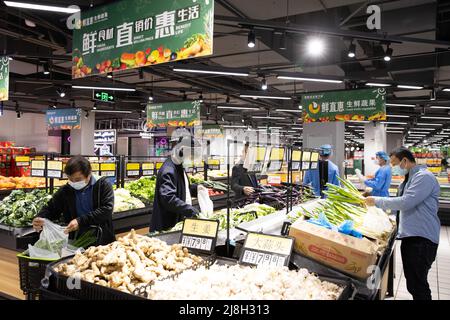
(128, 263)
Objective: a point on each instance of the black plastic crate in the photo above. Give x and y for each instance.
(17, 238)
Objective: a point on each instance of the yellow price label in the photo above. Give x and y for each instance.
(315, 157)
(38, 164)
(277, 154)
(268, 243)
(39, 158)
(95, 166)
(133, 166)
(148, 166)
(260, 153)
(296, 155)
(55, 165)
(22, 159)
(199, 227)
(107, 167)
(159, 165)
(306, 156)
(214, 162)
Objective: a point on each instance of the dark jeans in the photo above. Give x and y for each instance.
(418, 254)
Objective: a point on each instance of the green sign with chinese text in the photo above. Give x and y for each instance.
(173, 114)
(348, 105)
(136, 33)
(4, 78)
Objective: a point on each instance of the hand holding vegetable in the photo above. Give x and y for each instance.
(370, 201)
(360, 176)
(72, 226)
(38, 223)
(248, 191)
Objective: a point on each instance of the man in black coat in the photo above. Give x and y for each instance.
(83, 202)
(243, 183)
(173, 192)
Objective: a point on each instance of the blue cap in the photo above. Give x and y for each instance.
(325, 150)
(383, 155)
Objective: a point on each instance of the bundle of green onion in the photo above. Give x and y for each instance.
(348, 194)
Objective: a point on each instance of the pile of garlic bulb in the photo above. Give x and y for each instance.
(244, 283)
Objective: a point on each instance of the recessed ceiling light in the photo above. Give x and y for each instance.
(23, 5)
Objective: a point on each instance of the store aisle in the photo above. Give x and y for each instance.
(439, 276)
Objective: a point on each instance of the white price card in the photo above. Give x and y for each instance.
(263, 259)
(203, 244)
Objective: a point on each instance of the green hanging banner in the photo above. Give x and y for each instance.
(4, 78)
(136, 33)
(348, 105)
(173, 114)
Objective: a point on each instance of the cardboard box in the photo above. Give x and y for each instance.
(345, 253)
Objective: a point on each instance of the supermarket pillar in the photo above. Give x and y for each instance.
(374, 141)
(82, 140)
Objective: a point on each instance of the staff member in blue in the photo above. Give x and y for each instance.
(327, 172)
(382, 180)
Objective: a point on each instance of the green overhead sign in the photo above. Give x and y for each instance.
(174, 114)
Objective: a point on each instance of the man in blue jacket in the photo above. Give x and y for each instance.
(382, 181)
(419, 224)
(327, 172)
(173, 193)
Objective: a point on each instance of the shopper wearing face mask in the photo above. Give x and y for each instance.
(173, 193)
(419, 224)
(243, 182)
(381, 182)
(84, 201)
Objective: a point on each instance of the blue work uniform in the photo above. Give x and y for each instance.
(381, 183)
(312, 177)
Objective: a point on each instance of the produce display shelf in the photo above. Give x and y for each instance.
(17, 239)
(6, 192)
(131, 219)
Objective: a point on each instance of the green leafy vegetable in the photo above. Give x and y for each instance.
(143, 188)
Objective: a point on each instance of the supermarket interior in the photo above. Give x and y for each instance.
(225, 150)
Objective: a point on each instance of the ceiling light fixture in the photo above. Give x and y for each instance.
(446, 89)
(61, 92)
(309, 79)
(264, 83)
(251, 40)
(404, 86)
(264, 97)
(111, 111)
(289, 110)
(388, 54)
(397, 116)
(377, 84)
(351, 50)
(200, 98)
(269, 117)
(315, 47)
(23, 5)
(109, 75)
(393, 122)
(150, 97)
(46, 69)
(103, 88)
(437, 118)
(429, 124)
(439, 107)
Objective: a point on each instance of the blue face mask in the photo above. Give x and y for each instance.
(399, 171)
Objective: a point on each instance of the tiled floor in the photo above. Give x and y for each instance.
(438, 277)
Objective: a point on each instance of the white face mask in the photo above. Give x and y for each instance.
(397, 170)
(78, 185)
(376, 162)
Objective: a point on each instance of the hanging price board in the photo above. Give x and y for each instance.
(276, 159)
(199, 166)
(158, 166)
(95, 168)
(306, 158)
(38, 168)
(199, 234)
(54, 169)
(22, 161)
(214, 164)
(266, 250)
(296, 159)
(108, 169)
(314, 160)
(133, 169)
(148, 169)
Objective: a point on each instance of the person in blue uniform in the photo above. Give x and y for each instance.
(382, 180)
(327, 172)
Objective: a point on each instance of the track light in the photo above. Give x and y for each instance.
(388, 54)
(351, 50)
(86, 115)
(46, 69)
(200, 98)
(109, 75)
(228, 99)
(18, 114)
(264, 83)
(433, 94)
(61, 92)
(141, 73)
(184, 96)
(150, 97)
(283, 41)
(95, 106)
(73, 104)
(251, 39)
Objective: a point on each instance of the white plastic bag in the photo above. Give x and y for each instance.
(51, 241)
(205, 203)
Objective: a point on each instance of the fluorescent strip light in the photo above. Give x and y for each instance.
(436, 118)
(236, 126)
(397, 116)
(265, 127)
(111, 111)
(375, 84)
(264, 97)
(237, 108)
(102, 88)
(417, 135)
(446, 89)
(268, 117)
(355, 121)
(429, 124)
(227, 73)
(439, 107)
(402, 86)
(422, 129)
(400, 105)
(394, 131)
(393, 122)
(23, 5)
(414, 132)
(289, 110)
(309, 79)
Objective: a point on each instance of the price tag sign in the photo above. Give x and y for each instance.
(22, 161)
(266, 250)
(38, 168)
(295, 166)
(158, 166)
(314, 160)
(133, 169)
(54, 169)
(306, 158)
(199, 234)
(148, 169)
(108, 169)
(95, 168)
(214, 164)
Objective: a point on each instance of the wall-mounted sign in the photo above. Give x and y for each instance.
(133, 169)
(173, 114)
(136, 33)
(103, 96)
(22, 161)
(4, 79)
(214, 164)
(108, 169)
(346, 105)
(63, 119)
(105, 136)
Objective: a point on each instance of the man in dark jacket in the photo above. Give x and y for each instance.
(83, 202)
(243, 183)
(173, 192)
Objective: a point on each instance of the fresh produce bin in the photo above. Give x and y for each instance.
(17, 238)
(132, 219)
